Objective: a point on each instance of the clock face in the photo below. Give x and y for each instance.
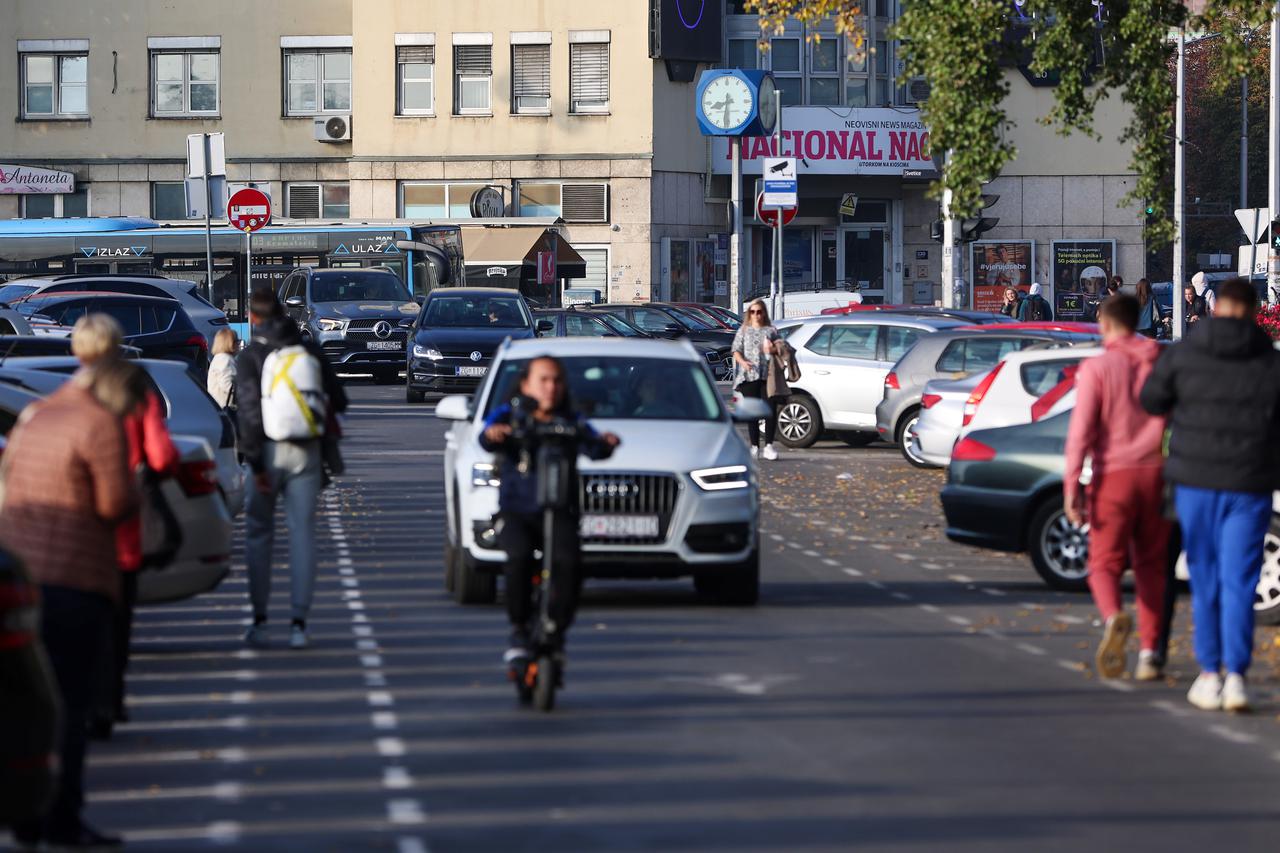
(768, 104)
(727, 102)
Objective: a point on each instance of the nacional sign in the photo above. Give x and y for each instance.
(24, 180)
(834, 141)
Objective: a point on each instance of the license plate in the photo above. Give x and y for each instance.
(471, 371)
(386, 344)
(619, 526)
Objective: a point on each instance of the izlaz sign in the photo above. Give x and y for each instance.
(24, 180)
(838, 141)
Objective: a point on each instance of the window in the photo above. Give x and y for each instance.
(578, 325)
(742, 54)
(653, 321)
(55, 85)
(530, 75)
(318, 201)
(573, 202)
(61, 206)
(1039, 377)
(184, 83)
(978, 354)
(437, 201)
(317, 82)
(415, 73)
(899, 339)
(589, 72)
(845, 341)
(472, 75)
(168, 200)
(784, 61)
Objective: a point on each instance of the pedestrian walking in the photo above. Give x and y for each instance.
(66, 487)
(1114, 286)
(1125, 500)
(1148, 310)
(1194, 307)
(752, 349)
(1220, 387)
(1035, 308)
(222, 368)
(285, 393)
(1011, 302)
(1200, 282)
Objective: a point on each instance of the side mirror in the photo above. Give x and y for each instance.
(421, 300)
(455, 407)
(745, 411)
(295, 302)
(544, 326)
(406, 323)
(673, 329)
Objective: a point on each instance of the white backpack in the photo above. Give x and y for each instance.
(293, 399)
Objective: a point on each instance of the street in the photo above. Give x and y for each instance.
(891, 691)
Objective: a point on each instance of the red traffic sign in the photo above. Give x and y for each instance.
(771, 215)
(546, 268)
(249, 209)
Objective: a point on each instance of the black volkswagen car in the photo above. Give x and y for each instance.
(360, 317)
(456, 334)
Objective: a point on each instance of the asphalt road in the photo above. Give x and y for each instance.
(892, 691)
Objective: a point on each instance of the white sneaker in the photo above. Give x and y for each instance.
(298, 637)
(1148, 668)
(770, 453)
(1234, 695)
(1206, 692)
(755, 451)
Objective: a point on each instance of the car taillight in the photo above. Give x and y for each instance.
(891, 382)
(928, 401)
(196, 341)
(198, 478)
(971, 450)
(19, 615)
(975, 398)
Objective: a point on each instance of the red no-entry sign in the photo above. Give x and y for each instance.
(771, 215)
(249, 209)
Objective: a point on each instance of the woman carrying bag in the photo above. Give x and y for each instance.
(753, 347)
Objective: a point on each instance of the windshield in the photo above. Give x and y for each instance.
(10, 292)
(689, 321)
(358, 286)
(463, 311)
(619, 325)
(626, 388)
(726, 316)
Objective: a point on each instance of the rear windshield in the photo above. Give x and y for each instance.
(1038, 377)
(10, 292)
(358, 286)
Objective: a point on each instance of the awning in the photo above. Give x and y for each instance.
(511, 252)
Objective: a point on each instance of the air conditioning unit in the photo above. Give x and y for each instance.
(917, 91)
(333, 128)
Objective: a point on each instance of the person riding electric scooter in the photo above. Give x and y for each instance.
(537, 437)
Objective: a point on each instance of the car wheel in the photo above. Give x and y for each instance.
(470, 585)
(858, 439)
(413, 395)
(1059, 550)
(1266, 604)
(799, 421)
(905, 436)
(737, 585)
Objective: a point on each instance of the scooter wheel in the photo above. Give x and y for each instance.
(544, 683)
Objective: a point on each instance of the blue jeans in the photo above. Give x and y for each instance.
(1223, 534)
(296, 473)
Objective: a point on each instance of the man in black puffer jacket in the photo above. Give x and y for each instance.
(1221, 390)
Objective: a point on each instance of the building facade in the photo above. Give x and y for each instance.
(385, 109)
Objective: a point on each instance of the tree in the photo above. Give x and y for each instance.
(1116, 46)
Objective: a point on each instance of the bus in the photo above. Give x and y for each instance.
(424, 256)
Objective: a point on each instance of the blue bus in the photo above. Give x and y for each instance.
(424, 256)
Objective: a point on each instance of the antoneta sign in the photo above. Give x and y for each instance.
(26, 180)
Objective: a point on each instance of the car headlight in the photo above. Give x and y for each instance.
(719, 479)
(427, 352)
(329, 324)
(484, 474)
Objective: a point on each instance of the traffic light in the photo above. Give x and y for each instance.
(972, 229)
(935, 230)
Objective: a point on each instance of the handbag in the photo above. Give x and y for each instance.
(160, 533)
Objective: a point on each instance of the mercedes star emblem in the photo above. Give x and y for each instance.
(476, 356)
(382, 329)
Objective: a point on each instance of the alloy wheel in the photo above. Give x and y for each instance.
(1066, 548)
(794, 421)
(910, 448)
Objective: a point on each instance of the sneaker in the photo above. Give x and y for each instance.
(1206, 692)
(769, 453)
(81, 837)
(1111, 656)
(298, 636)
(256, 636)
(755, 452)
(1234, 695)
(1148, 668)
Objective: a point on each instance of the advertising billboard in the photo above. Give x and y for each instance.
(998, 264)
(691, 30)
(1080, 270)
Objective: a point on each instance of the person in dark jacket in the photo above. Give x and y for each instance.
(1194, 307)
(1035, 308)
(291, 468)
(543, 391)
(1221, 389)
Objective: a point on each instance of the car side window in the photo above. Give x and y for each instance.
(650, 320)
(579, 326)
(128, 316)
(854, 342)
(66, 315)
(952, 358)
(899, 339)
(156, 318)
(820, 342)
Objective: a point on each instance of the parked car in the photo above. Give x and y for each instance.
(657, 507)
(159, 327)
(718, 357)
(29, 714)
(843, 364)
(952, 354)
(1005, 396)
(665, 321)
(979, 318)
(12, 323)
(456, 334)
(941, 413)
(359, 317)
(207, 319)
(561, 323)
(717, 315)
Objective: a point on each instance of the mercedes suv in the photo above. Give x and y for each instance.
(359, 317)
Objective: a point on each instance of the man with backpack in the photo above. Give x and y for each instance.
(285, 392)
(1035, 308)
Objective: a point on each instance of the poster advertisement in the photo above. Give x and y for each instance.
(1080, 271)
(704, 270)
(680, 270)
(998, 264)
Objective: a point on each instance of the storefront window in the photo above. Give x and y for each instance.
(680, 269)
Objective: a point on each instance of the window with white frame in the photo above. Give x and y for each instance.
(55, 85)
(318, 200)
(589, 71)
(573, 202)
(531, 73)
(472, 73)
(184, 83)
(317, 81)
(59, 206)
(168, 200)
(415, 79)
(427, 200)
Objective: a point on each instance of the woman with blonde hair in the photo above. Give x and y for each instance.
(222, 368)
(752, 349)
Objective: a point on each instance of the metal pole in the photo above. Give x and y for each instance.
(735, 234)
(948, 244)
(248, 278)
(1244, 142)
(1179, 187)
(782, 290)
(1273, 157)
(208, 228)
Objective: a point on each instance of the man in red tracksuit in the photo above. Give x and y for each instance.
(1125, 498)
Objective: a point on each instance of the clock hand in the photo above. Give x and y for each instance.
(726, 111)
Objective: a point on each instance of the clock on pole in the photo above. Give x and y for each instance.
(736, 102)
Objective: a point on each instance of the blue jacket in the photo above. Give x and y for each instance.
(518, 491)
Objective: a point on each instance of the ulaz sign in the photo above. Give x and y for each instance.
(25, 180)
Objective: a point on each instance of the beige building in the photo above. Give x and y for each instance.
(372, 110)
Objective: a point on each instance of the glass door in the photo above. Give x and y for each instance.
(864, 260)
